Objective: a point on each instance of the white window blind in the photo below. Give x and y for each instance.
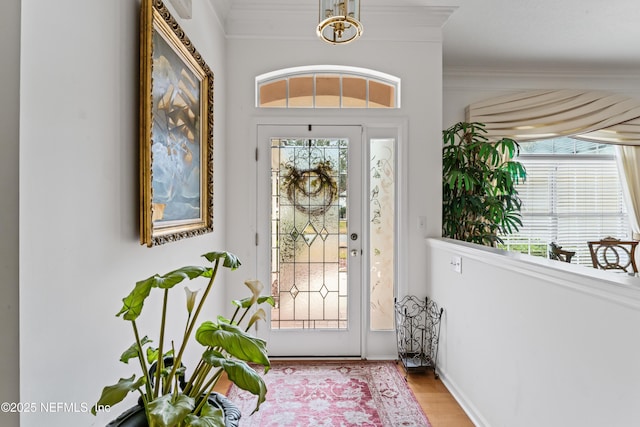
(569, 199)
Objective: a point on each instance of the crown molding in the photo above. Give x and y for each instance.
(541, 72)
(297, 20)
(493, 80)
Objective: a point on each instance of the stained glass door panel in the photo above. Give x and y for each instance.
(309, 233)
(314, 242)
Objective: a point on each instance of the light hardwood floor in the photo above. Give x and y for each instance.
(441, 408)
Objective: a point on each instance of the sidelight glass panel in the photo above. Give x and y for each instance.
(382, 220)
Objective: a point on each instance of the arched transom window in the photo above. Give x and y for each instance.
(327, 87)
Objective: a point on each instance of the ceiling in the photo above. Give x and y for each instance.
(550, 33)
(503, 34)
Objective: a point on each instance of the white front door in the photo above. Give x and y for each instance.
(310, 201)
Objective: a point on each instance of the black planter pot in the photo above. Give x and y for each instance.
(135, 416)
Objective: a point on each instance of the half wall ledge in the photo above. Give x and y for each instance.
(618, 288)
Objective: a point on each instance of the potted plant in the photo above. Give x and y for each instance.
(169, 395)
(479, 197)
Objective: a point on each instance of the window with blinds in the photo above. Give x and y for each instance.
(572, 195)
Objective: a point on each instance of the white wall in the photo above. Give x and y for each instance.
(527, 341)
(79, 240)
(523, 344)
(9, 213)
(418, 64)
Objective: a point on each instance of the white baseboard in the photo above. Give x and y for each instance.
(467, 406)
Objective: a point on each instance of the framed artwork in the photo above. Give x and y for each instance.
(176, 132)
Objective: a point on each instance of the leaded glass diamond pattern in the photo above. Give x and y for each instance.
(294, 234)
(294, 292)
(324, 291)
(309, 233)
(324, 234)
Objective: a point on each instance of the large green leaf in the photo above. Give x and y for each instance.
(170, 410)
(247, 302)
(132, 352)
(114, 394)
(169, 280)
(134, 302)
(230, 260)
(234, 341)
(241, 374)
(267, 299)
(210, 416)
(152, 354)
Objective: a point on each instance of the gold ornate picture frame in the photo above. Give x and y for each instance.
(176, 131)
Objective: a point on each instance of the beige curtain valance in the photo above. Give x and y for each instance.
(595, 116)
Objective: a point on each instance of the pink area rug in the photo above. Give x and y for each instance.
(332, 394)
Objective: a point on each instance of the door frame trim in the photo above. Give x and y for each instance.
(395, 125)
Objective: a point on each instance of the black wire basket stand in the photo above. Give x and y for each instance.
(418, 333)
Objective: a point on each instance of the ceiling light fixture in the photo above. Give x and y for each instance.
(339, 21)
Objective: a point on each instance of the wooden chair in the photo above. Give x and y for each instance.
(614, 254)
(556, 252)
